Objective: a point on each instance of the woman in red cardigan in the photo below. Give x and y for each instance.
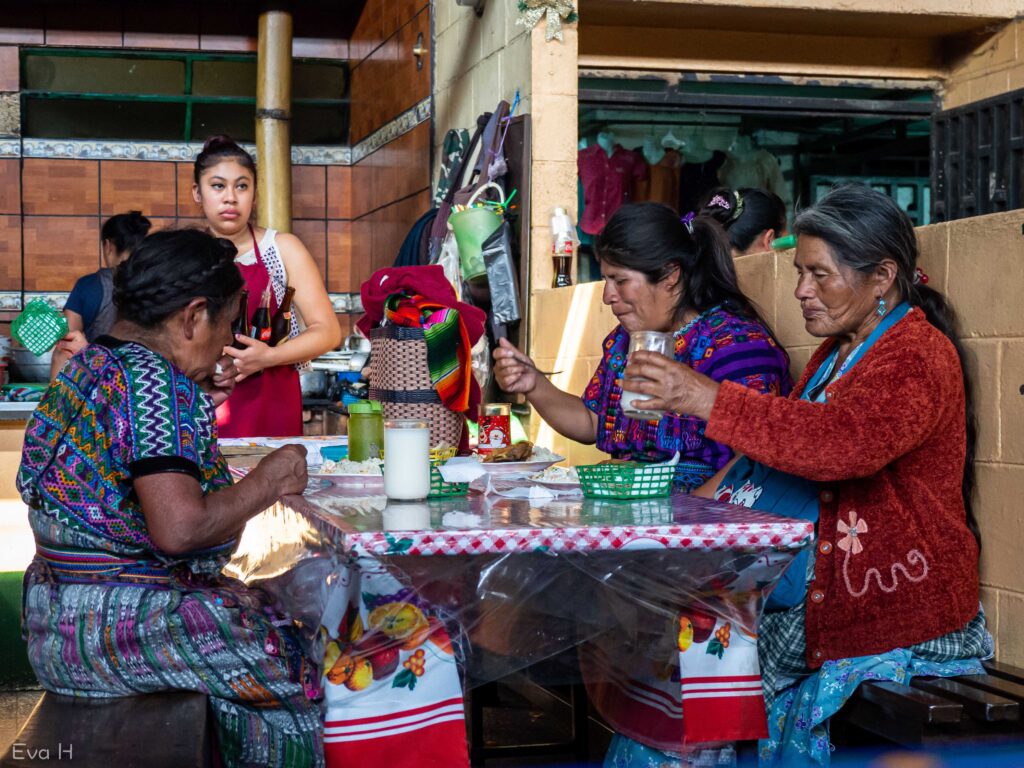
(876, 442)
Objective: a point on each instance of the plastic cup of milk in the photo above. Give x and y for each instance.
(406, 459)
(649, 341)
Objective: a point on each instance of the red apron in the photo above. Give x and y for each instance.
(268, 405)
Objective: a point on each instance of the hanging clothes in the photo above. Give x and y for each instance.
(759, 169)
(662, 182)
(607, 183)
(696, 179)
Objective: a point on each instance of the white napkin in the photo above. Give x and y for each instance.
(670, 463)
(534, 493)
(461, 469)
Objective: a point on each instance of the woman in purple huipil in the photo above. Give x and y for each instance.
(661, 273)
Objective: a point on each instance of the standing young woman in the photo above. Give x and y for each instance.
(269, 404)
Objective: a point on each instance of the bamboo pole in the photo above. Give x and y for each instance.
(273, 116)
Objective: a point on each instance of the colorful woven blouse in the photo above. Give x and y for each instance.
(105, 612)
(116, 412)
(718, 343)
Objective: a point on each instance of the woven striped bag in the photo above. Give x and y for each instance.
(400, 379)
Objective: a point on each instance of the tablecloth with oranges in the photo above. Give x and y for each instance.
(392, 688)
(661, 597)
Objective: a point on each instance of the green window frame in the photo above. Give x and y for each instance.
(190, 101)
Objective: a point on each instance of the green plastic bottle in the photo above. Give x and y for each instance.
(783, 243)
(365, 430)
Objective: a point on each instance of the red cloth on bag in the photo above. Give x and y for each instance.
(430, 283)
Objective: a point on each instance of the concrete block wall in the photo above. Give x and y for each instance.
(993, 65)
(482, 60)
(478, 62)
(979, 264)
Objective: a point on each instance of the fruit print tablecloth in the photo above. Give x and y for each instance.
(661, 598)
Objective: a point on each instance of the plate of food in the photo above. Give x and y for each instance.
(557, 478)
(347, 472)
(518, 458)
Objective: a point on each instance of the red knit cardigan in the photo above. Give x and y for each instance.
(896, 564)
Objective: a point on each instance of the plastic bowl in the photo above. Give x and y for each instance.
(334, 452)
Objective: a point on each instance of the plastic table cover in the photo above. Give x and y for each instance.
(653, 603)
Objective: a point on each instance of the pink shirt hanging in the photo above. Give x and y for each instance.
(607, 183)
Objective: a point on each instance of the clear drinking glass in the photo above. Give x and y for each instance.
(406, 459)
(650, 341)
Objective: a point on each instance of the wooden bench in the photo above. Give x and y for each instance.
(936, 711)
(158, 730)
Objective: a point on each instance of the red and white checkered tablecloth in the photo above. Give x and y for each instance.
(678, 522)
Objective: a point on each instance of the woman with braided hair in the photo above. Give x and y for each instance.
(134, 515)
(270, 404)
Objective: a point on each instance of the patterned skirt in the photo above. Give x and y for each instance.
(115, 639)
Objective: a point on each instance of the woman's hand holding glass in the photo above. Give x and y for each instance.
(670, 386)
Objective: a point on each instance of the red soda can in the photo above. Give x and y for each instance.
(495, 427)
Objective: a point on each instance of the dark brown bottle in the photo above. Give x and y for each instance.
(282, 321)
(241, 325)
(261, 319)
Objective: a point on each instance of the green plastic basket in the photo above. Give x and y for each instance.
(626, 481)
(439, 488)
(39, 327)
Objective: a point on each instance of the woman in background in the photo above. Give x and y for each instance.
(268, 405)
(90, 306)
(751, 217)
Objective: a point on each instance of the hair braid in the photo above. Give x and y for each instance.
(171, 268)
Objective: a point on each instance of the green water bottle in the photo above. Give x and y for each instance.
(784, 243)
(365, 430)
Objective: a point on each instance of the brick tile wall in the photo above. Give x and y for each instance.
(51, 212)
(60, 187)
(352, 219)
(187, 25)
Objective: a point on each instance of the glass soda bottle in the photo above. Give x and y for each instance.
(241, 325)
(282, 321)
(261, 318)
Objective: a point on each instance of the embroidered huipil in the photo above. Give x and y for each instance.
(105, 612)
(895, 563)
(719, 344)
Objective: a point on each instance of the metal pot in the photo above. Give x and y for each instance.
(29, 367)
(313, 383)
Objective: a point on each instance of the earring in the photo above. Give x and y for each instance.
(881, 307)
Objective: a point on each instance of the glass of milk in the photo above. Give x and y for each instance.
(650, 341)
(406, 459)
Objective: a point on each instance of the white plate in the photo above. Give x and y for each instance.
(517, 467)
(374, 481)
(564, 485)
